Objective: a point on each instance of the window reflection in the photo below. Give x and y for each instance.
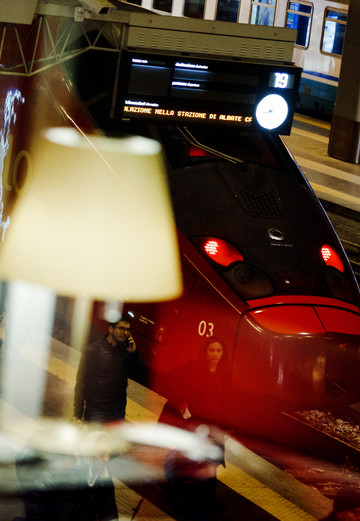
(334, 32)
(194, 8)
(299, 17)
(163, 5)
(262, 12)
(227, 10)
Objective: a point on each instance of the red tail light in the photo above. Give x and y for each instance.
(331, 258)
(221, 251)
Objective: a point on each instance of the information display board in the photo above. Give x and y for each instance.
(255, 96)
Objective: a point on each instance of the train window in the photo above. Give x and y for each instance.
(227, 10)
(262, 12)
(298, 16)
(194, 8)
(163, 5)
(333, 32)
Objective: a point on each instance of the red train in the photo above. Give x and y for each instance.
(263, 267)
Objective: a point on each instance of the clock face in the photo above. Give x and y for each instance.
(272, 111)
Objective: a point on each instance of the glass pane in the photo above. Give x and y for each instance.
(227, 10)
(302, 25)
(336, 15)
(262, 15)
(194, 8)
(301, 8)
(163, 5)
(333, 38)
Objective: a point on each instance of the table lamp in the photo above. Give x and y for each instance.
(93, 222)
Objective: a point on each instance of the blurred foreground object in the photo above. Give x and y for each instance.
(95, 220)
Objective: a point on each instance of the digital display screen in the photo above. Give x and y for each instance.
(209, 91)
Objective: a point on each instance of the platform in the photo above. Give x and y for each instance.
(332, 180)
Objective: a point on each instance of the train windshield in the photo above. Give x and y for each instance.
(244, 192)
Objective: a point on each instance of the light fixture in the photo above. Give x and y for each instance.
(95, 220)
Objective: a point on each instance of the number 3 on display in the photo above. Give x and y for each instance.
(205, 328)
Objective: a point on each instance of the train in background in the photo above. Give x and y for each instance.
(321, 28)
(263, 268)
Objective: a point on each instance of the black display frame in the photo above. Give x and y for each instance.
(210, 91)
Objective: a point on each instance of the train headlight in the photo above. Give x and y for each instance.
(221, 251)
(331, 258)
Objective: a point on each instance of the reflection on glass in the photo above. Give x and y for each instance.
(262, 12)
(227, 10)
(163, 5)
(30, 313)
(13, 100)
(299, 18)
(194, 8)
(334, 32)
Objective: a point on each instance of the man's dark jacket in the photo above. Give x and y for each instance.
(102, 377)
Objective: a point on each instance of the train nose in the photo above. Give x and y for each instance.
(306, 355)
(343, 354)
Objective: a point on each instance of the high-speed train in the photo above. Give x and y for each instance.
(321, 28)
(263, 268)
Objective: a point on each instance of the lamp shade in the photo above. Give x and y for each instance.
(95, 220)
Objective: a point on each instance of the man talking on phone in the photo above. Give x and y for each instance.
(102, 377)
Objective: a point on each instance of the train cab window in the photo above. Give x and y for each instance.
(262, 12)
(333, 32)
(227, 10)
(163, 5)
(299, 16)
(194, 8)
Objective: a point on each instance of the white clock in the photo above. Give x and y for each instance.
(271, 111)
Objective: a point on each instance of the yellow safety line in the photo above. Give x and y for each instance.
(261, 495)
(311, 121)
(310, 135)
(350, 199)
(136, 412)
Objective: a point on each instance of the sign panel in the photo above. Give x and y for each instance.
(177, 89)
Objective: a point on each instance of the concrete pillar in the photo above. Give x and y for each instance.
(345, 128)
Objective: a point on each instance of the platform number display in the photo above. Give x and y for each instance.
(281, 80)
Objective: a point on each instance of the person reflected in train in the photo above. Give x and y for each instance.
(102, 377)
(96, 500)
(346, 505)
(197, 392)
(197, 397)
(48, 485)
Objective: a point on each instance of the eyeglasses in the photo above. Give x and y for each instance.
(122, 328)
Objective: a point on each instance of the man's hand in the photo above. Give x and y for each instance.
(130, 344)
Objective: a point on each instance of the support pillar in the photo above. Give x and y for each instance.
(345, 128)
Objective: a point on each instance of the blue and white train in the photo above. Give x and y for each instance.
(321, 28)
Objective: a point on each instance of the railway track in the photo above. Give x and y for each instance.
(334, 435)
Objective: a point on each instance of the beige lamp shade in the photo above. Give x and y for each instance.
(95, 220)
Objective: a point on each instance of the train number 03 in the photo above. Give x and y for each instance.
(205, 328)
